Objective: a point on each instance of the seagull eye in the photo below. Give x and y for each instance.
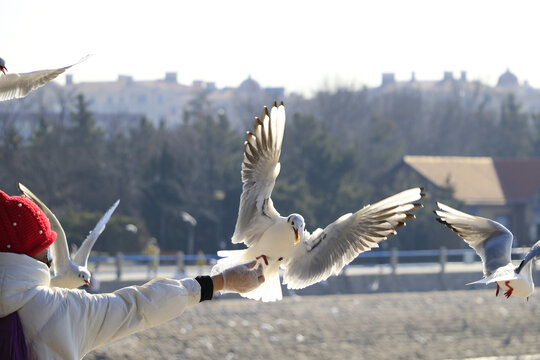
(293, 223)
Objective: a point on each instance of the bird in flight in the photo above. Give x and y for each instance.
(493, 243)
(279, 241)
(69, 273)
(14, 85)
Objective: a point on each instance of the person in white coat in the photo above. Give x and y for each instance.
(42, 322)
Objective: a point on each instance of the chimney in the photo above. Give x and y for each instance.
(170, 77)
(388, 78)
(197, 84)
(448, 76)
(463, 76)
(69, 79)
(126, 79)
(413, 77)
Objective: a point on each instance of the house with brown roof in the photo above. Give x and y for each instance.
(505, 190)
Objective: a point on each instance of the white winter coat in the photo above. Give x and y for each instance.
(67, 324)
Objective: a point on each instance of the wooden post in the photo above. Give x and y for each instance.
(180, 266)
(468, 256)
(119, 264)
(394, 260)
(443, 259)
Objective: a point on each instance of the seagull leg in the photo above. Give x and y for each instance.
(264, 258)
(498, 288)
(510, 290)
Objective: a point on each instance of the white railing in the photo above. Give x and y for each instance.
(391, 257)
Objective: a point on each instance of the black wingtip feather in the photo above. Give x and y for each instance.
(415, 207)
(409, 216)
(248, 134)
(447, 225)
(518, 269)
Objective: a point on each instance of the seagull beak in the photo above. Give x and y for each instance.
(3, 70)
(296, 237)
(87, 283)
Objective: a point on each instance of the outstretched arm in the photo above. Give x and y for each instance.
(94, 320)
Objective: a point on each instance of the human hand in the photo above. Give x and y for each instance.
(243, 278)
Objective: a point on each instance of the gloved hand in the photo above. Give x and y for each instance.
(243, 278)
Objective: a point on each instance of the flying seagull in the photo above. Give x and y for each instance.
(493, 243)
(69, 273)
(283, 241)
(19, 85)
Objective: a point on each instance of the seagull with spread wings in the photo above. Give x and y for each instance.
(283, 241)
(69, 273)
(493, 243)
(14, 85)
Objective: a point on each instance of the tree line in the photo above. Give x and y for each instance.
(339, 150)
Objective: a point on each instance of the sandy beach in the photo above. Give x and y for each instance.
(415, 325)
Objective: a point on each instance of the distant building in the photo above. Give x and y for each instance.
(505, 190)
(448, 85)
(167, 98)
(162, 99)
(116, 103)
(508, 80)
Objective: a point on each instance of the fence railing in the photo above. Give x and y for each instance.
(378, 257)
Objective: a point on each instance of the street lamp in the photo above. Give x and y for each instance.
(191, 237)
(219, 195)
(132, 228)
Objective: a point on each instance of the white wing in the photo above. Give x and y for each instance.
(260, 168)
(327, 251)
(19, 85)
(59, 247)
(81, 256)
(491, 241)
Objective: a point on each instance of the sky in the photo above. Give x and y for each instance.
(300, 45)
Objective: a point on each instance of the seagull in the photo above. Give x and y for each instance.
(69, 273)
(19, 85)
(283, 241)
(493, 243)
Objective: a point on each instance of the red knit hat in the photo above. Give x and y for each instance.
(24, 228)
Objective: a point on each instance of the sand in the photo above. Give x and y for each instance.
(421, 325)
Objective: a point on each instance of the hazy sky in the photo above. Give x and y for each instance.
(301, 45)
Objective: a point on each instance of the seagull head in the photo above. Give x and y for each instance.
(84, 275)
(297, 223)
(3, 66)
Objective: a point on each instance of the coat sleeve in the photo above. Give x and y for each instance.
(136, 308)
(80, 322)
